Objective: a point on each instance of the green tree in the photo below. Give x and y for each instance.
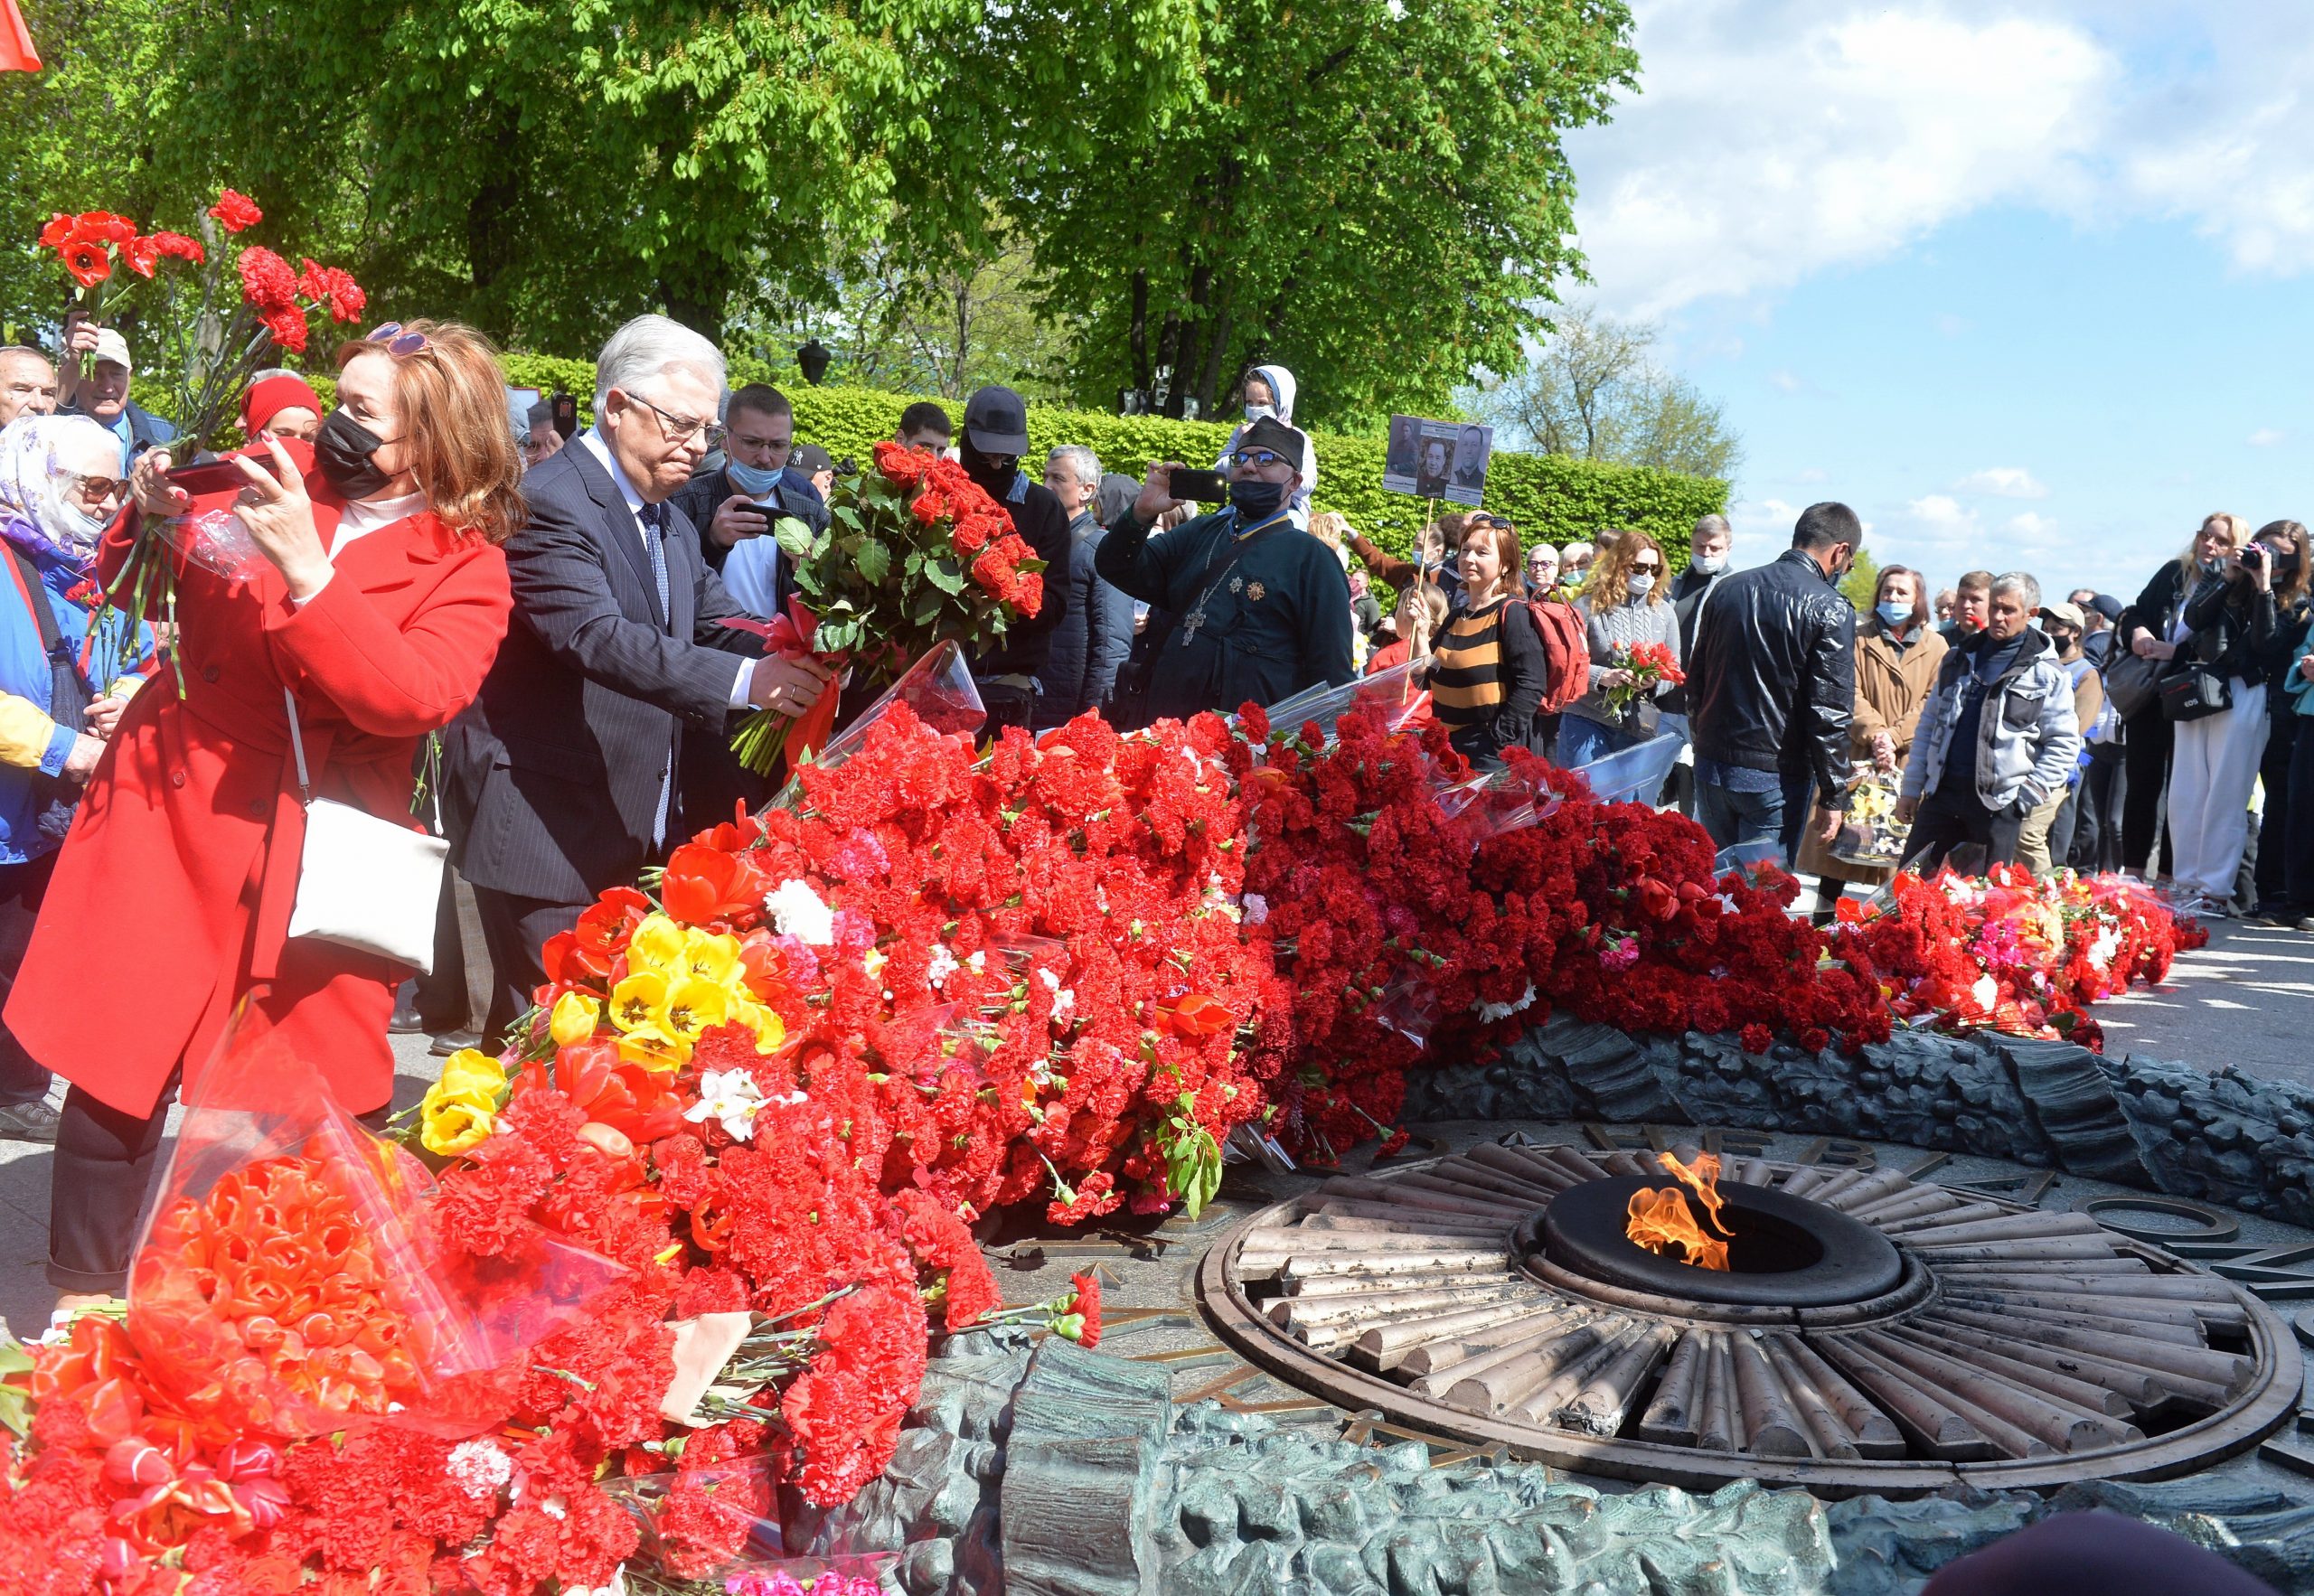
(1373, 193)
(1862, 582)
(1593, 391)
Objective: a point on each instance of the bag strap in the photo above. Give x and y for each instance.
(68, 692)
(297, 747)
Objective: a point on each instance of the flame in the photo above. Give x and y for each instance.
(1661, 1219)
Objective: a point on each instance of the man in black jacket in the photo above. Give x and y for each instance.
(996, 435)
(1707, 548)
(562, 775)
(1771, 686)
(1095, 633)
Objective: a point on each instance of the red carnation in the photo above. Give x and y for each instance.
(347, 298)
(1086, 1307)
(267, 281)
(288, 324)
(235, 211)
(176, 245)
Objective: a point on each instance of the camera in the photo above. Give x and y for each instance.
(2255, 554)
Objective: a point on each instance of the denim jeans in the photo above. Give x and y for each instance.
(1734, 819)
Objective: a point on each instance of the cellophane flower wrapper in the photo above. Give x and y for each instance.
(938, 690)
(1395, 698)
(1870, 834)
(216, 539)
(289, 1279)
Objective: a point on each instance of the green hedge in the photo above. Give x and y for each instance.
(1558, 498)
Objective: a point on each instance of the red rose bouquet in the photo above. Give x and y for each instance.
(1649, 665)
(914, 555)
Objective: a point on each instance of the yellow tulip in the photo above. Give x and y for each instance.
(770, 1029)
(693, 1006)
(653, 1047)
(640, 1000)
(453, 1127)
(713, 958)
(471, 1073)
(576, 1015)
(658, 944)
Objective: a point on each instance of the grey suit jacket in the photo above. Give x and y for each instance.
(553, 774)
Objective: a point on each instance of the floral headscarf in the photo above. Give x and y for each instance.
(38, 513)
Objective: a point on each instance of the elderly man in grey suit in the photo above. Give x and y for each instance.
(560, 776)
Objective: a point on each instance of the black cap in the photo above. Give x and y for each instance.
(2107, 605)
(996, 421)
(809, 459)
(1270, 433)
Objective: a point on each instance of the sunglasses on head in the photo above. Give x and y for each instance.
(396, 340)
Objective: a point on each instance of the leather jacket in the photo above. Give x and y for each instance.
(1771, 683)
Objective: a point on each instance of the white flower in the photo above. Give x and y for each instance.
(796, 910)
(2102, 951)
(1490, 1012)
(479, 1468)
(1257, 908)
(976, 961)
(730, 1095)
(1985, 991)
(940, 966)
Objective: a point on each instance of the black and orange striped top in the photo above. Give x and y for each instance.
(1486, 676)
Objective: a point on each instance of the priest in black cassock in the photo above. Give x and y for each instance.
(1259, 609)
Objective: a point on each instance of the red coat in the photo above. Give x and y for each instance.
(172, 896)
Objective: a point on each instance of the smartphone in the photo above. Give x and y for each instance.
(215, 476)
(1205, 486)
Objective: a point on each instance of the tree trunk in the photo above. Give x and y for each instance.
(1137, 330)
(493, 226)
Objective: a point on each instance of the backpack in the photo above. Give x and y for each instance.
(1567, 650)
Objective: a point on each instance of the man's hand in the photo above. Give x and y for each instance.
(1156, 497)
(1905, 809)
(737, 518)
(86, 751)
(787, 685)
(104, 716)
(80, 333)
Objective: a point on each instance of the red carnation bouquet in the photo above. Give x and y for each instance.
(245, 308)
(914, 555)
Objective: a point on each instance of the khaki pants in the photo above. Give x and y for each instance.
(2033, 837)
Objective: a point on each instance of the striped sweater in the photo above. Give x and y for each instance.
(1487, 679)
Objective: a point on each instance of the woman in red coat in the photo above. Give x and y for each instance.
(381, 602)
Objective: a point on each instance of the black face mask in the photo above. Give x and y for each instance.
(2285, 567)
(346, 452)
(1256, 500)
(995, 474)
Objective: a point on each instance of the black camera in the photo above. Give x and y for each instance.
(2255, 554)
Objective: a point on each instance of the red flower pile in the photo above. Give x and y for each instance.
(1061, 972)
(2013, 952)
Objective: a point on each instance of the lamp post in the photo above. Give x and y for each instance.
(814, 357)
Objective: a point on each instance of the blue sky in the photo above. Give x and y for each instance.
(2025, 284)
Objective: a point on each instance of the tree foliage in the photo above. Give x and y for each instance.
(1862, 582)
(1593, 392)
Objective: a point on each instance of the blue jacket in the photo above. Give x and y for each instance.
(26, 673)
(1093, 639)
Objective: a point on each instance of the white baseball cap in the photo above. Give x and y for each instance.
(111, 346)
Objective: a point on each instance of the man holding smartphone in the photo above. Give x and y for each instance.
(1258, 609)
(735, 504)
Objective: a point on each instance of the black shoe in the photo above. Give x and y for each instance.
(449, 1042)
(29, 1122)
(407, 1020)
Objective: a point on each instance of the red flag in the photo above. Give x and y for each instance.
(16, 52)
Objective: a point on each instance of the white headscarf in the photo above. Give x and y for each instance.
(39, 510)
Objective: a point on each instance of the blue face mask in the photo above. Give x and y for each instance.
(1888, 611)
(754, 480)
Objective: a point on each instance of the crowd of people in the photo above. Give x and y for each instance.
(566, 621)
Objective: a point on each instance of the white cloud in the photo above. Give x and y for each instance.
(1942, 514)
(2031, 527)
(2266, 438)
(1775, 138)
(1812, 474)
(2006, 481)
(1785, 382)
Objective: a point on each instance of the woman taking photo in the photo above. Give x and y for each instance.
(2286, 548)
(2209, 613)
(1624, 604)
(1898, 652)
(378, 602)
(1488, 673)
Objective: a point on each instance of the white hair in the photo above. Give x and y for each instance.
(1707, 524)
(2019, 583)
(271, 371)
(1081, 461)
(652, 347)
(1578, 550)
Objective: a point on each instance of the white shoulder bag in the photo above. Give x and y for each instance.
(362, 882)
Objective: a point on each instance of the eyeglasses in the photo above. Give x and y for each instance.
(680, 429)
(98, 490)
(1258, 457)
(396, 340)
(1649, 570)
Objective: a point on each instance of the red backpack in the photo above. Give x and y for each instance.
(1567, 649)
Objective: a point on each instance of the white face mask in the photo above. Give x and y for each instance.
(1710, 565)
(66, 518)
(1640, 584)
(1259, 412)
